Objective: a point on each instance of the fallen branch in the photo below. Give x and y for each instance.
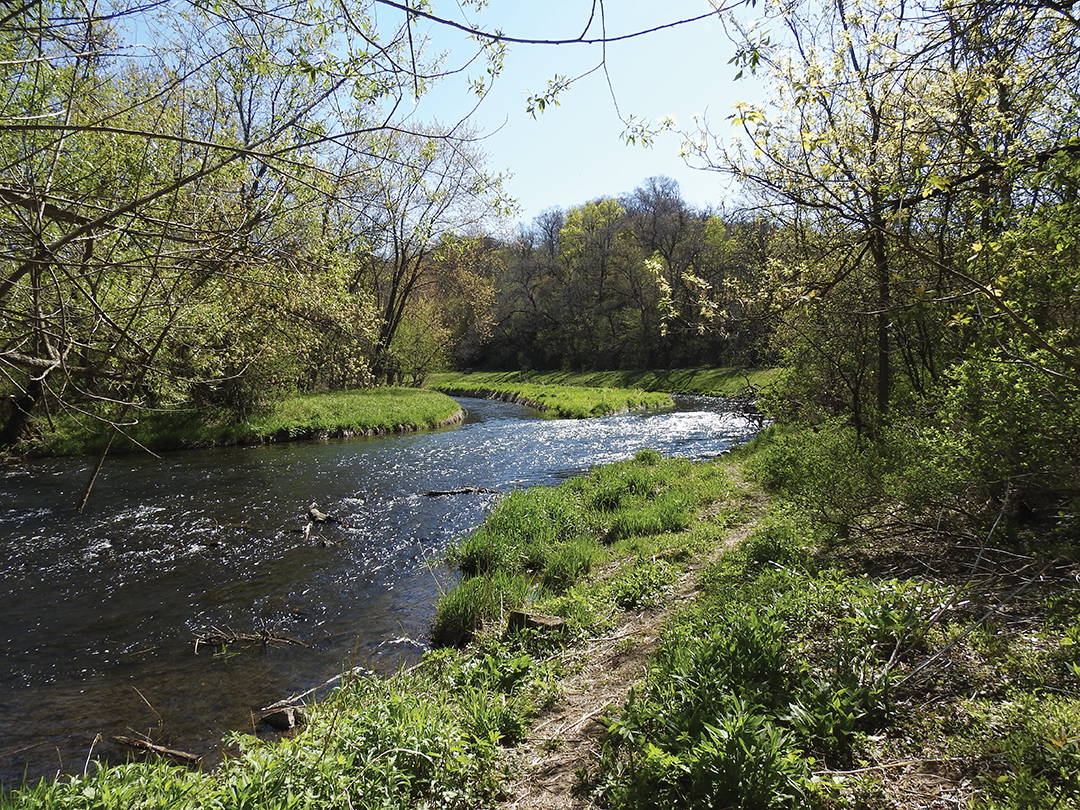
(438, 493)
(215, 637)
(182, 757)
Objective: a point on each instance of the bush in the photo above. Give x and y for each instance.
(828, 471)
(1006, 434)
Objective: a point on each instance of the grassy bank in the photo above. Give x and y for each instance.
(711, 381)
(311, 416)
(539, 544)
(751, 632)
(562, 401)
(879, 665)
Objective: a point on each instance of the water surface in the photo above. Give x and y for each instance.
(99, 611)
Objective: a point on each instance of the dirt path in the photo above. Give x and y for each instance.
(567, 738)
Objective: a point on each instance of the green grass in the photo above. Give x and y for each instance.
(724, 381)
(812, 673)
(310, 416)
(538, 544)
(562, 401)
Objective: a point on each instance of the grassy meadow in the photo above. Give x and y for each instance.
(309, 416)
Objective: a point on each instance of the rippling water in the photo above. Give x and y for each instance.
(99, 610)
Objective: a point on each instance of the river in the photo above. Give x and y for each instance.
(100, 610)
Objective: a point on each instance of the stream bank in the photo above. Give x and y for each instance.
(169, 549)
(752, 660)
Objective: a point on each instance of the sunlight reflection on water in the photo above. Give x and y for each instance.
(100, 609)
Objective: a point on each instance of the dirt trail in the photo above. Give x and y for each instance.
(566, 739)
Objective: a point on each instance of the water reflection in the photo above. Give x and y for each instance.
(100, 609)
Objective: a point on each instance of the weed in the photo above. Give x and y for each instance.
(642, 585)
(462, 611)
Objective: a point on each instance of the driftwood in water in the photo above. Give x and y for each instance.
(438, 493)
(182, 757)
(215, 637)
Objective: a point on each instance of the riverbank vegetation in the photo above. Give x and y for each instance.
(562, 401)
(537, 544)
(724, 641)
(707, 380)
(314, 416)
(845, 655)
(897, 625)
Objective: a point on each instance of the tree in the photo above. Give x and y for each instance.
(148, 188)
(425, 189)
(899, 134)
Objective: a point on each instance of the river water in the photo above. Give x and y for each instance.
(99, 611)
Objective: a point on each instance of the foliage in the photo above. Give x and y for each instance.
(312, 416)
(788, 663)
(829, 470)
(1006, 435)
(429, 187)
(612, 284)
(475, 602)
(1040, 750)
(563, 401)
(710, 380)
(918, 167)
(799, 677)
(190, 201)
(432, 737)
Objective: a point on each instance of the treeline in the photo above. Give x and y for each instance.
(615, 284)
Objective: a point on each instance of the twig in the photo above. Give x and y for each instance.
(902, 764)
(982, 620)
(584, 719)
(215, 636)
(289, 701)
(181, 756)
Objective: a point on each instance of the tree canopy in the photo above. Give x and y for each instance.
(189, 198)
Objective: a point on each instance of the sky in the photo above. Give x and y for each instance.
(574, 152)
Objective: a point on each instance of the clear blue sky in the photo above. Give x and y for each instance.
(573, 152)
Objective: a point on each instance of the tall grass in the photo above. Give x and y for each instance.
(544, 540)
(310, 416)
(819, 672)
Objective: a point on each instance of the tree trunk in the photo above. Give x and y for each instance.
(22, 408)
